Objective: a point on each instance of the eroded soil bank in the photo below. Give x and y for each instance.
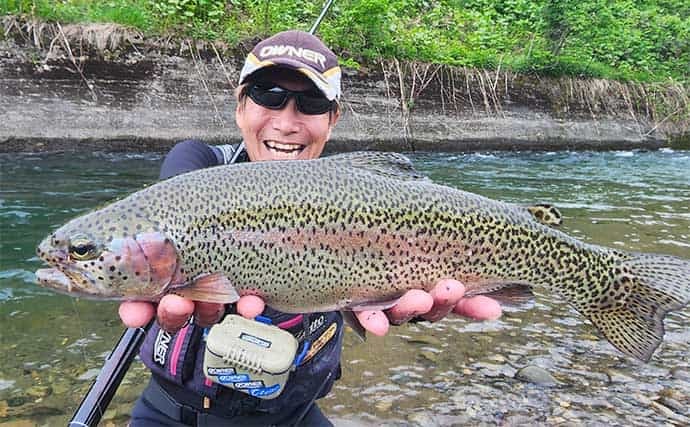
(71, 90)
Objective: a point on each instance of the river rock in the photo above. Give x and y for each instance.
(536, 375)
(19, 423)
(89, 375)
(384, 405)
(674, 405)
(39, 391)
(618, 377)
(680, 374)
(425, 340)
(5, 384)
(429, 355)
(16, 400)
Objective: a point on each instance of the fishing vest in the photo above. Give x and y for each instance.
(178, 359)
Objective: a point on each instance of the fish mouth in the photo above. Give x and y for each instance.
(290, 149)
(60, 281)
(54, 278)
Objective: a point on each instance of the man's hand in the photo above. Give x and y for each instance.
(448, 296)
(173, 311)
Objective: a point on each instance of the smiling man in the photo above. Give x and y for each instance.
(287, 106)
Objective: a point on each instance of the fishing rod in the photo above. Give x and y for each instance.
(103, 389)
(101, 392)
(326, 6)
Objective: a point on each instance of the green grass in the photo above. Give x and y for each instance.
(131, 13)
(623, 40)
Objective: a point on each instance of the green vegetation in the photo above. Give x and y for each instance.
(646, 41)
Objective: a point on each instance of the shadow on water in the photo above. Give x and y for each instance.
(452, 372)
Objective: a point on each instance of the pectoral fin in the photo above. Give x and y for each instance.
(209, 288)
(352, 321)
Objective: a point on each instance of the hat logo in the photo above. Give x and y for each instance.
(306, 54)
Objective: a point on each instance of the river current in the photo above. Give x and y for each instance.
(454, 372)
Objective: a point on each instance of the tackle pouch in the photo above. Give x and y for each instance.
(249, 356)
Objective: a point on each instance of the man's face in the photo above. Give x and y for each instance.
(285, 134)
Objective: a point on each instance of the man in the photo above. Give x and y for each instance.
(287, 107)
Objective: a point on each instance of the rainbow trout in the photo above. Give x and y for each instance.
(348, 232)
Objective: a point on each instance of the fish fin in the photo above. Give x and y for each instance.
(513, 294)
(391, 165)
(546, 214)
(352, 321)
(209, 288)
(374, 305)
(644, 289)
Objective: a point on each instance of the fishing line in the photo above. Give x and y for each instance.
(82, 332)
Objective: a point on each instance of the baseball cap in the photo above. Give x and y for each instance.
(299, 51)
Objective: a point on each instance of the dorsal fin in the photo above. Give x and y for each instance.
(546, 214)
(392, 165)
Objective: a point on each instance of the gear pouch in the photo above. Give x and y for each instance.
(249, 356)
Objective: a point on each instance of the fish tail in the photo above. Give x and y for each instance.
(645, 287)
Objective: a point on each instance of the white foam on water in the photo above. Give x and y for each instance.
(624, 154)
(674, 243)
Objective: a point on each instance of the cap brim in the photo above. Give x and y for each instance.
(321, 80)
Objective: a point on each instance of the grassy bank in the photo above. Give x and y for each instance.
(622, 40)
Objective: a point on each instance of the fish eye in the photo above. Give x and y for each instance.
(82, 249)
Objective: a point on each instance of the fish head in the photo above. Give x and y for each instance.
(89, 262)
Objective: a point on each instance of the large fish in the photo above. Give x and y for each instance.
(348, 232)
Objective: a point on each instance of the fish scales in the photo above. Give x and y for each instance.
(273, 209)
(356, 229)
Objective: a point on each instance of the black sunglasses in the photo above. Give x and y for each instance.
(274, 97)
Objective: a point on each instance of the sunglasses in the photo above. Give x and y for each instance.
(274, 97)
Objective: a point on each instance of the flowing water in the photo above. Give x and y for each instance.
(454, 372)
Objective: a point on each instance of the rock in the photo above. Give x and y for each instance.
(109, 415)
(16, 401)
(536, 375)
(384, 406)
(668, 413)
(494, 370)
(5, 384)
(430, 356)
(618, 377)
(39, 391)
(497, 358)
(675, 405)
(680, 374)
(61, 388)
(426, 340)
(19, 423)
(89, 375)
(421, 420)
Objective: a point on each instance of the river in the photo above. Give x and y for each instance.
(454, 372)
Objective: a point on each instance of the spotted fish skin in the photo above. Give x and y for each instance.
(355, 229)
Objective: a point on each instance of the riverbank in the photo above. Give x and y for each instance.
(100, 87)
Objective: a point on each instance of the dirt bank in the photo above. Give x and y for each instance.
(61, 91)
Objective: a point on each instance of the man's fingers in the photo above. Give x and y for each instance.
(479, 307)
(250, 306)
(135, 314)
(207, 313)
(411, 304)
(374, 321)
(174, 312)
(446, 295)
